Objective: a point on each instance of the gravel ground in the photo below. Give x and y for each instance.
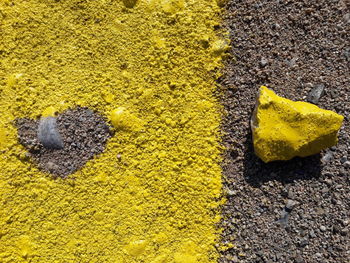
(295, 211)
(84, 134)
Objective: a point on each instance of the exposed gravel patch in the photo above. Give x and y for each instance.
(295, 211)
(84, 134)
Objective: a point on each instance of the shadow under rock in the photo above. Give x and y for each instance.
(256, 172)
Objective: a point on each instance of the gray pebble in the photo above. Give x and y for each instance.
(347, 18)
(51, 166)
(316, 93)
(231, 192)
(312, 234)
(347, 53)
(48, 134)
(290, 204)
(292, 62)
(347, 164)
(283, 221)
(324, 190)
(328, 181)
(308, 85)
(299, 259)
(327, 157)
(303, 242)
(344, 231)
(343, 159)
(323, 228)
(334, 94)
(291, 194)
(263, 62)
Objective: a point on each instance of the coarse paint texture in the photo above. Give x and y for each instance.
(154, 194)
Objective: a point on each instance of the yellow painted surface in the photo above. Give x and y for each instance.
(153, 195)
(283, 129)
(49, 112)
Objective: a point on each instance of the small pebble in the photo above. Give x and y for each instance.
(323, 228)
(343, 159)
(328, 181)
(231, 192)
(347, 164)
(299, 259)
(324, 190)
(347, 53)
(48, 133)
(344, 231)
(304, 242)
(347, 18)
(283, 221)
(334, 94)
(290, 204)
(312, 234)
(51, 166)
(316, 93)
(308, 85)
(291, 194)
(263, 62)
(327, 157)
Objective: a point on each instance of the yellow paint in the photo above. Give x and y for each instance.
(121, 118)
(172, 6)
(3, 138)
(283, 128)
(136, 248)
(49, 112)
(25, 246)
(153, 195)
(219, 46)
(187, 253)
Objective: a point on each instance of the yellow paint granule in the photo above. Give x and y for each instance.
(153, 195)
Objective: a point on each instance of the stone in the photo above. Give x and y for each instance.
(263, 62)
(343, 159)
(283, 129)
(48, 133)
(327, 157)
(347, 53)
(304, 242)
(299, 259)
(344, 231)
(52, 166)
(290, 204)
(312, 234)
(283, 221)
(315, 94)
(346, 164)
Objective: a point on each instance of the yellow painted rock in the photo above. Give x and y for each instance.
(283, 129)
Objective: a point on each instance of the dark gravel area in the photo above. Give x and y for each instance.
(84, 134)
(295, 211)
